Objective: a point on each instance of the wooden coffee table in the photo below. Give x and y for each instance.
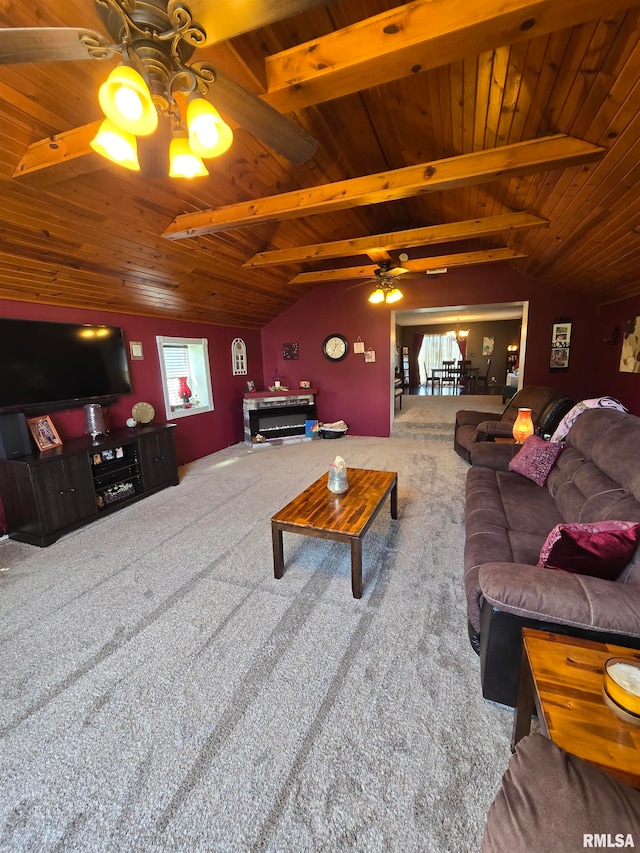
(345, 518)
(563, 676)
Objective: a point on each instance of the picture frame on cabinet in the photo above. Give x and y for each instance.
(44, 433)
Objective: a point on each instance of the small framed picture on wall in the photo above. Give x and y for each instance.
(630, 353)
(560, 345)
(488, 345)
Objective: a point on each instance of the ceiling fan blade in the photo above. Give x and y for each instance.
(46, 44)
(227, 18)
(378, 255)
(261, 119)
(385, 267)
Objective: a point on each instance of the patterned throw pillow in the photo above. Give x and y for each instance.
(601, 549)
(536, 458)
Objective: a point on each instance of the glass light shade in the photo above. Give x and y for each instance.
(523, 426)
(463, 333)
(209, 136)
(183, 163)
(393, 295)
(116, 145)
(377, 296)
(125, 99)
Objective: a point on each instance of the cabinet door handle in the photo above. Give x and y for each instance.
(72, 490)
(61, 492)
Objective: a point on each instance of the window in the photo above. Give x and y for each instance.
(434, 350)
(186, 380)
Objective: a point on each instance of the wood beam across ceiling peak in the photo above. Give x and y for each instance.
(520, 158)
(396, 240)
(420, 35)
(417, 265)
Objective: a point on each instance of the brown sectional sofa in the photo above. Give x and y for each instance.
(508, 517)
(551, 800)
(548, 407)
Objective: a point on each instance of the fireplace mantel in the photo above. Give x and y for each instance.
(281, 392)
(277, 416)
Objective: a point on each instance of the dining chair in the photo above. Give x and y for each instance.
(450, 373)
(464, 373)
(483, 379)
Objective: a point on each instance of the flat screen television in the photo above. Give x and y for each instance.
(47, 366)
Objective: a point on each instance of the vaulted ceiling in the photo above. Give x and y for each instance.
(456, 135)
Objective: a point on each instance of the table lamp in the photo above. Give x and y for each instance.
(523, 426)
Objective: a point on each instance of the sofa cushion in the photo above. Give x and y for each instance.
(536, 458)
(601, 550)
(507, 518)
(552, 800)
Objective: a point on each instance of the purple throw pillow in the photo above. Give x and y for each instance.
(536, 458)
(601, 549)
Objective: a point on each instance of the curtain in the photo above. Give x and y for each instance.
(414, 366)
(434, 350)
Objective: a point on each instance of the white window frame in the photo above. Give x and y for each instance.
(199, 377)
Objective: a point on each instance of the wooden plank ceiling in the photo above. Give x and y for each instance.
(514, 134)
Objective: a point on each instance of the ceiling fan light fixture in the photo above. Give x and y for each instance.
(183, 163)
(393, 295)
(209, 135)
(377, 296)
(116, 145)
(125, 99)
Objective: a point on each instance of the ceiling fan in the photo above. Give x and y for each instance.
(156, 39)
(385, 276)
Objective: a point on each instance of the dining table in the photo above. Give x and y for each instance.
(437, 373)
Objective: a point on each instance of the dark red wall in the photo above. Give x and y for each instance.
(360, 393)
(623, 386)
(196, 436)
(352, 390)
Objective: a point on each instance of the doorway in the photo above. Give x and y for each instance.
(495, 339)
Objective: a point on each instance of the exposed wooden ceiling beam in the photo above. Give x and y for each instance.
(537, 155)
(412, 38)
(459, 259)
(395, 240)
(397, 43)
(61, 151)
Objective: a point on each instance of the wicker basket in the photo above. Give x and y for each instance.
(332, 433)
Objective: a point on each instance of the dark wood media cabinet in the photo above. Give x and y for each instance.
(48, 494)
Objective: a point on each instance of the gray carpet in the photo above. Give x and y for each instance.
(162, 691)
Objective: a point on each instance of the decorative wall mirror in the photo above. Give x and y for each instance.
(239, 357)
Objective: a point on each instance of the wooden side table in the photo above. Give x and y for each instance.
(563, 677)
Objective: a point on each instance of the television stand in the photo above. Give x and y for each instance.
(48, 494)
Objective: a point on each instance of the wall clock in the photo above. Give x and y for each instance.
(335, 347)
